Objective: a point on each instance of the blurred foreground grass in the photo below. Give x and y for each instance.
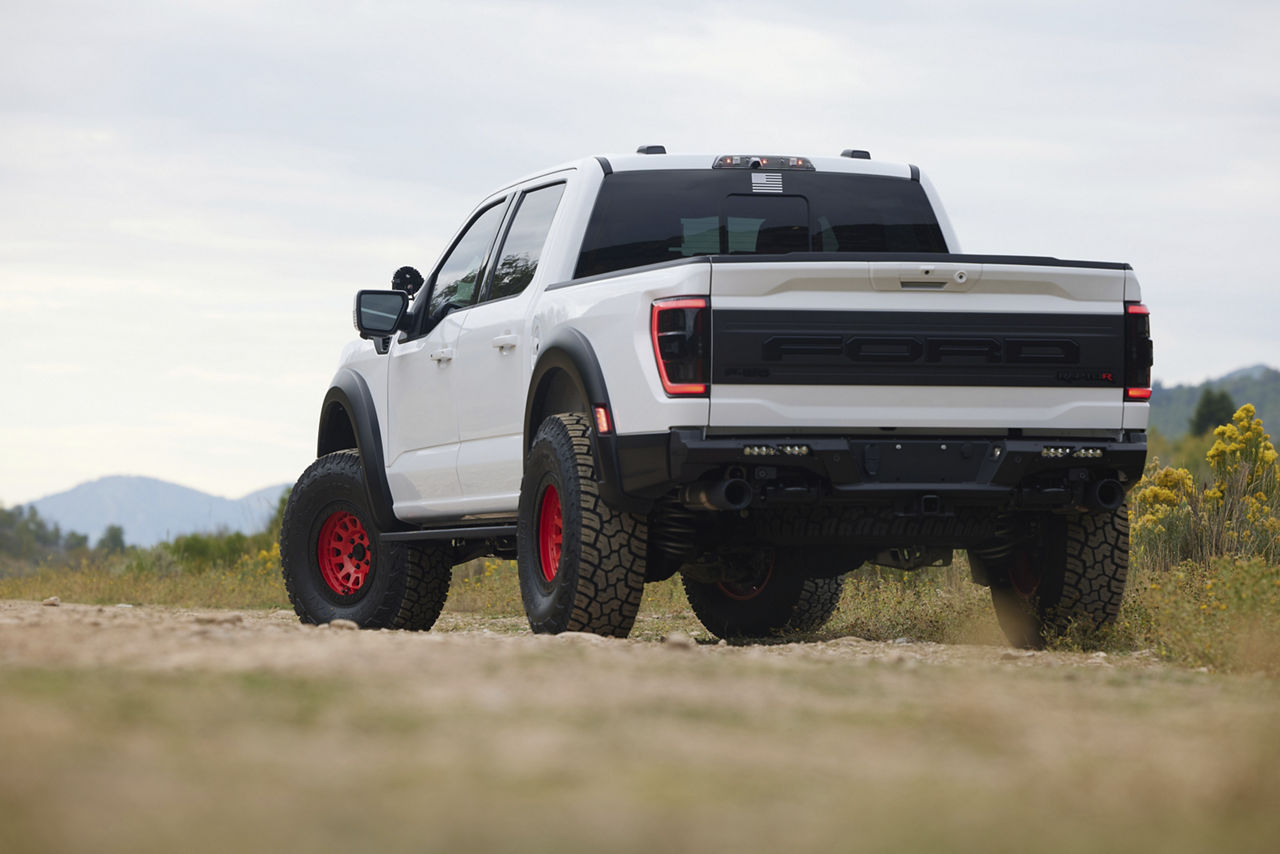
(481, 743)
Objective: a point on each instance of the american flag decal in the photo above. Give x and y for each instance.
(766, 182)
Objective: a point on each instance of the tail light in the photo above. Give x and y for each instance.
(681, 333)
(1137, 352)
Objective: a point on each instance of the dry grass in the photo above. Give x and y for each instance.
(157, 577)
(938, 604)
(1224, 615)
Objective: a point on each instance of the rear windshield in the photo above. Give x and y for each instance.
(648, 217)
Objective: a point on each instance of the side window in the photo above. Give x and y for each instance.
(523, 245)
(456, 282)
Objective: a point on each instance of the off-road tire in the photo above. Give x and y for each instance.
(597, 581)
(402, 585)
(786, 603)
(1081, 563)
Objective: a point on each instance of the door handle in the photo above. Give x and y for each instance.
(506, 342)
(444, 355)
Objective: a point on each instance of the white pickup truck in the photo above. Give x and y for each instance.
(757, 371)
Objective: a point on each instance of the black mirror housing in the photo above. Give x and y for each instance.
(378, 314)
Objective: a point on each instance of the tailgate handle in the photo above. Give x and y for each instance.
(932, 283)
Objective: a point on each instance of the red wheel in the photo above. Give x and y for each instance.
(550, 532)
(746, 590)
(335, 564)
(1024, 575)
(344, 553)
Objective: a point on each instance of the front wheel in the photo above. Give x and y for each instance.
(764, 602)
(335, 564)
(581, 563)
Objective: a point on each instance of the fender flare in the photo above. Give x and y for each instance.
(571, 354)
(349, 419)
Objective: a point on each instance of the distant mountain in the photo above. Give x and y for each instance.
(152, 511)
(1172, 407)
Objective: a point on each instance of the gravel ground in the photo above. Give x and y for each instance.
(162, 638)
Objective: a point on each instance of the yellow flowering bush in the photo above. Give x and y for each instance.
(1161, 492)
(1238, 514)
(1245, 496)
(1166, 515)
(1243, 449)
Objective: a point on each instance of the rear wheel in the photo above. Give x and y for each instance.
(335, 564)
(764, 601)
(581, 563)
(1072, 577)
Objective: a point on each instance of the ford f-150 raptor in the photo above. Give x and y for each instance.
(757, 371)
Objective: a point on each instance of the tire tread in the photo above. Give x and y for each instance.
(611, 546)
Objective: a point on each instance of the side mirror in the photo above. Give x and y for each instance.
(379, 313)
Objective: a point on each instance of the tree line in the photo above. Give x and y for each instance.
(1176, 410)
(25, 536)
(27, 541)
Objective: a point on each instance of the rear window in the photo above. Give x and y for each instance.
(648, 217)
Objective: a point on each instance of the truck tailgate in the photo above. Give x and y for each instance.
(960, 342)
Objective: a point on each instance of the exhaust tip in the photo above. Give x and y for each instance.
(731, 494)
(1105, 494)
(737, 493)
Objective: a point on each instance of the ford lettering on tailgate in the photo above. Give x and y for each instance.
(917, 348)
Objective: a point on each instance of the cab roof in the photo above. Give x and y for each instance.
(855, 165)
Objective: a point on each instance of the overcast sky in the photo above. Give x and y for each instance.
(191, 192)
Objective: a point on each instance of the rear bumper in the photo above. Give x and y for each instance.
(929, 474)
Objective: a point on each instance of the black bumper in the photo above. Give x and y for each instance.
(1014, 473)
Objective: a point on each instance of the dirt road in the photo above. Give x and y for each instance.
(157, 729)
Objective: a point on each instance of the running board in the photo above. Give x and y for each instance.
(472, 532)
